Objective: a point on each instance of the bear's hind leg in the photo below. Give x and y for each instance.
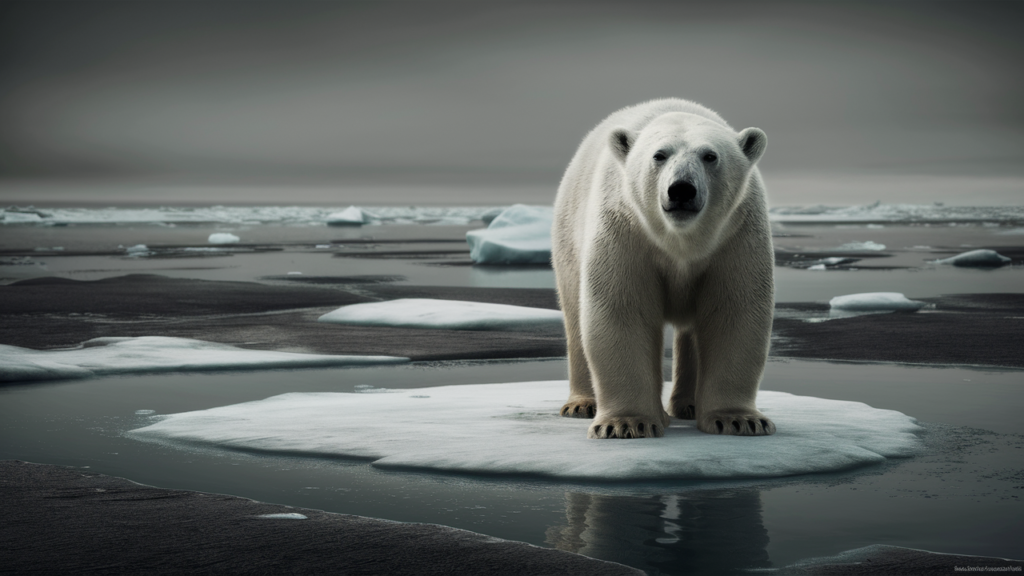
(683, 402)
(581, 402)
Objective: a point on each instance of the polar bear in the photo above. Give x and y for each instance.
(661, 217)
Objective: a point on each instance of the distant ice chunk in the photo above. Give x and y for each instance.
(350, 216)
(21, 217)
(858, 246)
(516, 429)
(102, 356)
(283, 516)
(519, 235)
(138, 251)
(144, 412)
(977, 259)
(443, 314)
(223, 238)
(875, 301)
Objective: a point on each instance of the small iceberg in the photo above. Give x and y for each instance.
(138, 251)
(977, 259)
(104, 356)
(443, 314)
(519, 235)
(515, 429)
(223, 238)
(875, 302)
(350, 216)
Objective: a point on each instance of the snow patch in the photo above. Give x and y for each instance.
(977, 259)
(875, 301)
(516, 429)
(519, 235)
(443, 314)
(223, 238)
(103, 356)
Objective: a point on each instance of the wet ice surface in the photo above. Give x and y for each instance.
(976, 258)
(284, 516)
(446, 314)
(223, 238)
(457, 429)
(106, 356)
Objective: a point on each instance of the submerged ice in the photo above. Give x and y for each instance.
(519, 235)
(977, 258)
(102, 356)
(515, 429)
(443, 314)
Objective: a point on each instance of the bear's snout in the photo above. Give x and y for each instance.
(683, 197)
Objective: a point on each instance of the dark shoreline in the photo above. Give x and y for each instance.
(60, 520)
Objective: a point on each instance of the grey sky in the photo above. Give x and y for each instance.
(496, 91)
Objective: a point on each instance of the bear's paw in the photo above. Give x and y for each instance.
(584, 408)
(626, 427)
(736, 423)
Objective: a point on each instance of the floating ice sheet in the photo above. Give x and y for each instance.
(859, 246)
(102, 356)
(977, 258)
(870, 301)
(222, 238)
(516, 429)
(443, 314)
(519, 235)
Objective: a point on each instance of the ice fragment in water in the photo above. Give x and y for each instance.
(145, 412)
(443, 314)
(519, 235)
(350, 216)
(875, 301)
(283, 516)
(223, 238)
(856, 246)
(456, 429)
(977, 258)
(101, 356)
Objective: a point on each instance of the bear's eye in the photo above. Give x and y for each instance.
(710, 157)
(660, 157)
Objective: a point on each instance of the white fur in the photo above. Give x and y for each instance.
(624, 266)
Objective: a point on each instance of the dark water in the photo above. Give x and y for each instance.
(961, 496)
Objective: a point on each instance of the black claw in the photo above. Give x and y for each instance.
(764, 424)
(752, 426)
(654, 430)
(721, 428)
(576, 410)
(590, 411)
(640, 427)
(609, 431)
(736, 426)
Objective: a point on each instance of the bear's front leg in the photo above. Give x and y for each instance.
(733, 330)
(622, 329)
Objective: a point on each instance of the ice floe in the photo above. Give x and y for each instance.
(350, 216)
(137, 251)
(222, 238)
(283, 516)
(443, 314)
(516, 429)
(858, 246)
(103, 356)
(875, 301)
(977, 259)
(519, 235)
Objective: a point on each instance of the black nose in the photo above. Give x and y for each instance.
(682, 196)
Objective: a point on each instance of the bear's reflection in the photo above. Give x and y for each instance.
(706, 532)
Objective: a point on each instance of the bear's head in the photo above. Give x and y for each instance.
(686, 173)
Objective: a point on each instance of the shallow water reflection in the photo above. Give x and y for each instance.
(712, 531)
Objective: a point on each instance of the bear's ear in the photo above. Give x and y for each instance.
(752, 141)
(621, 141)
